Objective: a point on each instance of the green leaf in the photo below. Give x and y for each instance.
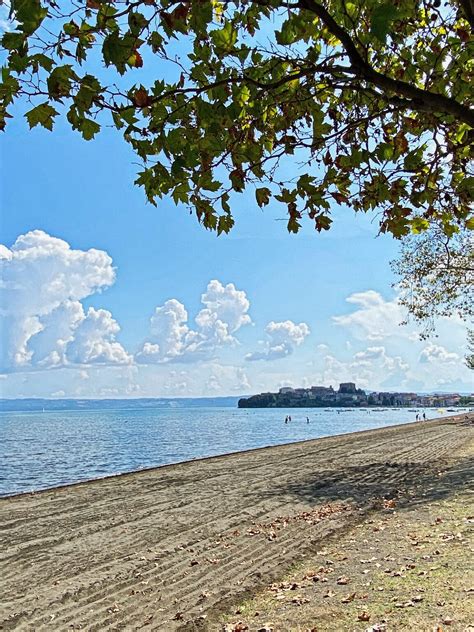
(13, 41)
(41, 115)
(293, 225)
(224, 38)
(224, 224)
(59, 81)
(117, 50)
(29, 13)
(382, 18)
(419, 224)
(89, 129)
(263, 196)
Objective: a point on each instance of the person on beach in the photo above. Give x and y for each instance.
(417, 415)
(289, 417)
(307, 420)
(424, 417)
(286, 419)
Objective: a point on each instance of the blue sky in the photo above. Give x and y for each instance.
(282, 309)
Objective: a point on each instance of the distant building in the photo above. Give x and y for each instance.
(347, 387)
(347, 395)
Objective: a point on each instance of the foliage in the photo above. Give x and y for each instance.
(436, 276)
(370, 100)
(470, 346)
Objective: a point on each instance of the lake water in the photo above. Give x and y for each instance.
(41, 450)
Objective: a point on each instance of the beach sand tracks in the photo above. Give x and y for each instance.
(121, 553)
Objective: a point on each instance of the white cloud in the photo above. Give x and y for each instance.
(42, 319)
(226, 304)
(438, 354)
(224, 313)
(94, 340)
(370, 353)
(283, 338)
(374, 318)
(403, 361)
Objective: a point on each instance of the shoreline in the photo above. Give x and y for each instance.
(152, 468)
(171, 547)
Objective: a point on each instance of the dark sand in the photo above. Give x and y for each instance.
(171, 547)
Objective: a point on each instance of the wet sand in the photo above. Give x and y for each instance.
(170, 547)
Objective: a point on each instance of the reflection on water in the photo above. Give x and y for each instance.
(39, 450)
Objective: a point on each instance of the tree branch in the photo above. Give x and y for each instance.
(433, 101)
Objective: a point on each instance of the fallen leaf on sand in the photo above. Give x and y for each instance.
(343, 580)
(236, 627)
(447, 620)
(299, 601)
(179, 616)
(363, 616)
(349, 598)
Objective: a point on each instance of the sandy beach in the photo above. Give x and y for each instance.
(171, 547)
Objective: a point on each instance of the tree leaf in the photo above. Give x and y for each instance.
(41, 115)
(263, 196)
(382, 18)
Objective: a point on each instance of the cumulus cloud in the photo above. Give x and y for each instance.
(283, 337)
(370, 368)
(172, 339)
(374, 318)
(94, 340)
(42, 319)
(370, 353)
(438, 354)
(225, 304)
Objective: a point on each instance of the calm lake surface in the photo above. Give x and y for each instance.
(45, 449)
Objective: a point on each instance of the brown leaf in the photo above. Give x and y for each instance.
(240, 627)
(299, 601)
(179, 616)
(349, 598)
(343, 580)
(340, 198)
(363, 616)
(141, 98)
(447, 620)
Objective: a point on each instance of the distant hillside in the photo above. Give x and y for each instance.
(33, 404)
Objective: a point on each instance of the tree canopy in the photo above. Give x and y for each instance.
(370, 100)
(436, 276)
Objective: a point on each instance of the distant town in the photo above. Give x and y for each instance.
(348, 395)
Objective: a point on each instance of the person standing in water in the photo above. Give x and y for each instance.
(286, 419)
(424, 417)
(307, 420)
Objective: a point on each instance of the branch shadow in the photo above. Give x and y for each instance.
(368, 484)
